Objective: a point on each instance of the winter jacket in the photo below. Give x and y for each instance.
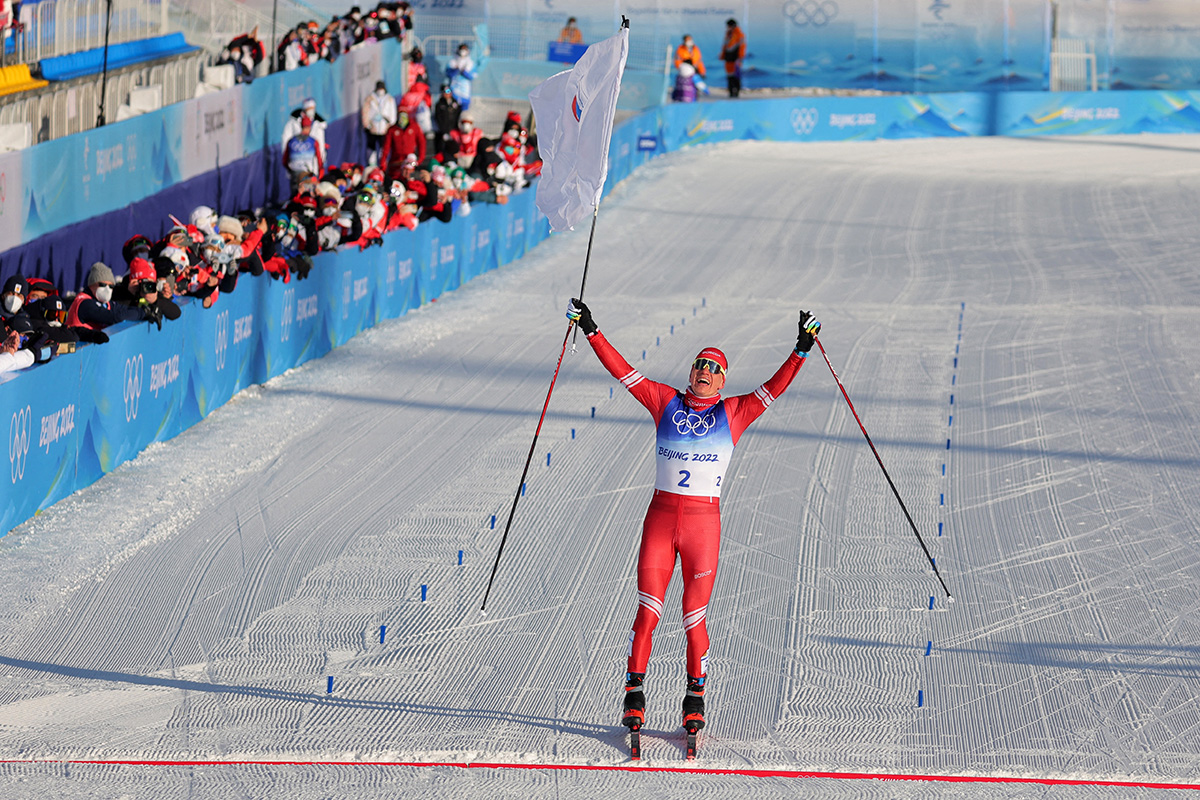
(379, 113)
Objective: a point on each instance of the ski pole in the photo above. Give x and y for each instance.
(862, 428)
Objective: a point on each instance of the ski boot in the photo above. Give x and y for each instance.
(693, 712)
(634, 712)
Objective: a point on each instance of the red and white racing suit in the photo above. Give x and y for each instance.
(693, 447)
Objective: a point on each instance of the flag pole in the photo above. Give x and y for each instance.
(554, 99)
(586, 261)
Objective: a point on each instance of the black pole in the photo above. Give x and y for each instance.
(533, 446)
(104, 71)
(274, 36)
(862, 428)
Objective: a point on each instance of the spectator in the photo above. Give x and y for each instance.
(733, 50)
(39, 289)
(13, 354)
(416, 67)
(294, 49)
(140, 287)
(48, 315)
(466, 140)
(688, 51)
(446, 114)
(685, 84)
(307, 109)
(92, 310)
(571, 34)
(378, 114)
(13, 302)
(417, 102)
(302, 155)
(402, 138)
(461, 71)
(243, 65)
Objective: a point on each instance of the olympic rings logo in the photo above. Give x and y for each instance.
(693, 423)
(133, 387)
(804, 120)
(817, 13)
(18, 441)
(222, 339)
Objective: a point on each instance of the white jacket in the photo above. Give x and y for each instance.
(379, 113)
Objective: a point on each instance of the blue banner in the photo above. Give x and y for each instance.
(111, 401)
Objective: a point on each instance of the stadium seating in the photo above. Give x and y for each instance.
(17, 79)
(91, 62)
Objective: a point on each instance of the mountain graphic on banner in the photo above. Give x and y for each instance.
(164, 164)
(1183, 120)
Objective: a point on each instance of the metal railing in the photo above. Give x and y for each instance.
(68, 107)
(212, 24)
(1072, 65)
(60, 27)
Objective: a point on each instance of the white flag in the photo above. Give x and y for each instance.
(575, 110)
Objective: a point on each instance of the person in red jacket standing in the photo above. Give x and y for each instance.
(696, 433)
(402, 138)
(733, 50)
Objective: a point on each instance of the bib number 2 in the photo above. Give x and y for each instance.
(684, 480)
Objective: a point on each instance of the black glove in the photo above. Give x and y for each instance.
(152, 311)
(42, 348)
(809, 328)
(581, 315)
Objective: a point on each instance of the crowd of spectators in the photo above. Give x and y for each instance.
(311, 41)
(328, 208)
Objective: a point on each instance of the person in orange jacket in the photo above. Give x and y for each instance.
(732, 52)
(688, 51)
(571, 34)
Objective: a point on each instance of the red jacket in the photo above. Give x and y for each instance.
(398, 143)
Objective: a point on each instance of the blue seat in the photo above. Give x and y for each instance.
(91, 62)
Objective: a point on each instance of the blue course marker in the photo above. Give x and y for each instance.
(953, 379)
(547, 459)
(594, 408)
(383, 633)
(931, 602)
(943, 470)
(920, 697)
(942, 501)
(947, 444)
(329, 685)
(672, 330)
(703, 302)
(951, 421)
(939, 529)
(610, 389)
(424, 588)
(493, 522)
(522, 490)
(572, 433)
(956, 362)
(657, 341)
(928, 648)
(643, 359)
(952, 399)
(460, 558)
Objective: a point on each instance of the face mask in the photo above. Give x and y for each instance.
(687, 43)
(465, 127)
(13, 303)
(404, 120)
(381, 92)
(104, 294)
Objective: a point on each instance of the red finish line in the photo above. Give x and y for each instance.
(754, 773)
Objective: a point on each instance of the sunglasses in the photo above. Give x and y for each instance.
(707, 363)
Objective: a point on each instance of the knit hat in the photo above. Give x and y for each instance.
(231, 226)
(142, 270)
(716, 355)
(100, 273)
(16, 284)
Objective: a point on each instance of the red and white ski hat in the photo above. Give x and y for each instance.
(716, 355)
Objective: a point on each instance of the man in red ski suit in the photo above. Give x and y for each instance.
(696, 434)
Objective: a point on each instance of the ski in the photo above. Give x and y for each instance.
(691, 743)
(635, 744)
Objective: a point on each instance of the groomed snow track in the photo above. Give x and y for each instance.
(1017, 323)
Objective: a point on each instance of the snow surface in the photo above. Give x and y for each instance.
(191, 605)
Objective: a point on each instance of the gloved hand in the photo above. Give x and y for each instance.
(41, 347)
(152, 311)
(809, 328)
(581, 315)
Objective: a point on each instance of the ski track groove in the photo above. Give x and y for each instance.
(210, 625)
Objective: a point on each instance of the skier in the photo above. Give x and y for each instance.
(696, 434)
